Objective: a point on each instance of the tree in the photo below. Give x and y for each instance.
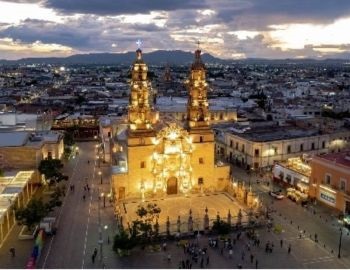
(68, 138)
(36, 209)
(51, 169)
(221, 227)
(123, 241)
(146, 226)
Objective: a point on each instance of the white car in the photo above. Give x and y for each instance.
(277, 195)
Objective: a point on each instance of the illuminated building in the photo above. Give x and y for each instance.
(154, 158)
(330, 180)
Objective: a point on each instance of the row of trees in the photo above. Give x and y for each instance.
(37, 209)
(144, 229)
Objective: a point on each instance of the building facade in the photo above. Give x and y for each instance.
(263, 148)
(151, 157)
(330, 180)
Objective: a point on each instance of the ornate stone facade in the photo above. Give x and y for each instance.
(156, 158)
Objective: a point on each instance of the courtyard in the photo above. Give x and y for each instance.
(180, 206)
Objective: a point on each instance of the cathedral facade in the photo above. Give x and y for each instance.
(155, 157)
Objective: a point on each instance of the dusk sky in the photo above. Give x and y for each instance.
(226, 28)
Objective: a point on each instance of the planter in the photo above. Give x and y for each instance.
(24, 234)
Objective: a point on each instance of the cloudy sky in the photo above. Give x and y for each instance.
(225, 28)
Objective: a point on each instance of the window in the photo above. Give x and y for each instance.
(301, 147)
(342, 184)
(231, 143)
(323, 144)
(109, 134)
(289, 149)
(142, 165)
(243, 148)
(49, 155)
(256, 152)
(200, 181)
(275, 150)
(201, 160)
(200, 138)
(328, 179)
(313, 146)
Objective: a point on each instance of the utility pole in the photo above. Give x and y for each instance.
(340, 238)
(100, 239)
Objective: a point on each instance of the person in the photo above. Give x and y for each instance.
(13, 252)
(256, 263)
(88, 161)
(251, 258)
(84, 197)
(289, 248)
(164, 246)
(281, 242)
(230, 253)
(169, 257)
(316, 240)
(207, 260)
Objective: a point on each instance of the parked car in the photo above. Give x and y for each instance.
(277, 195)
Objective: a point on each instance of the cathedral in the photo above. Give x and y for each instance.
(156, 157)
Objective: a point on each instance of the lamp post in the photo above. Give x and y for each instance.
(100, 240)
(100, 174)
(104, 199)
(340, 238)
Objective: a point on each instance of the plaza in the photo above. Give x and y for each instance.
(179, 206)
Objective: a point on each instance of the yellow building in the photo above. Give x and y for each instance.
(151, 157)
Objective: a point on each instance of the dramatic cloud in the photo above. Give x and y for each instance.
(225, 28)
(112, 7)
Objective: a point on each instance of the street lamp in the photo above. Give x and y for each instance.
(104, 199)
(100, 174)
(340, 237)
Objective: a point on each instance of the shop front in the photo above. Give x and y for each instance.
(327, 196)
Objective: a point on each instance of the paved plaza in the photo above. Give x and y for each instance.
(172, 207)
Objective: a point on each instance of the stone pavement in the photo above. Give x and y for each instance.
(23, 250)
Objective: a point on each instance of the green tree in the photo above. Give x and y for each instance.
(221, 227)
(37, 209)
(31, 215)
(146, 227)
(123, 241)
(51, 169)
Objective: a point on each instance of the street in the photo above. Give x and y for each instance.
(293, 216)
(78, 227)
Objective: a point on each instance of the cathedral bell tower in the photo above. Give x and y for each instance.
(197, 105)
(141, 117)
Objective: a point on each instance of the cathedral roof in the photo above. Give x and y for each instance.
(198, 64)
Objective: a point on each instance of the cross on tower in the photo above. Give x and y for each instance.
(139, 43)
(198, 43)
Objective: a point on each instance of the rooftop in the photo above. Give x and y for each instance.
(342, 158)
(276, 133)
(13, 139)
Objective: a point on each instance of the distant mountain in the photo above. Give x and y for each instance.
(156, 57)
(161, 57)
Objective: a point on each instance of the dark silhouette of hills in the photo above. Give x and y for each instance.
(156, 57)
(161, 57)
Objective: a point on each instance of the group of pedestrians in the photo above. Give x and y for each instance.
(194, 254)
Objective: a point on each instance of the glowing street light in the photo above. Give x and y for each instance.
(100, 174)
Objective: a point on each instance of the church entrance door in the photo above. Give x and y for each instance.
(172, 185)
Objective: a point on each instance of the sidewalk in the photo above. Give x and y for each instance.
(23, 250)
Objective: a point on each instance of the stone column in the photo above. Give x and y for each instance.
(167, 226)
(190, 222)
(229, 217)
(178, 224)
(239, 218)
(206, 220)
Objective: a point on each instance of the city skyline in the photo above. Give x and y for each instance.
(226, 29)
